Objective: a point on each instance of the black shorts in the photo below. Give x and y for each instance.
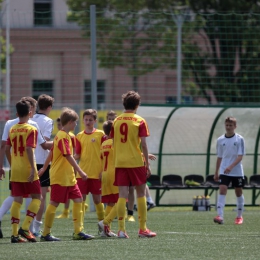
(45, 178)
(236, 182)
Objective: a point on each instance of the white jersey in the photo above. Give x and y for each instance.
(46, 126)
(228, 148)
(10, 123)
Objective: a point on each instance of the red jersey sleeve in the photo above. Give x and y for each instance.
(112, 132)
(78, 146)
(64, 146)
(103, 138)
(8, 141)
(73, 140)
(143, 129)
(31, 140)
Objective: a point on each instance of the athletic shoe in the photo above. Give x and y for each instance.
(63, 215)
(18, 239)
(218, 220)
(122, 234)
(146, 233)
(239, 221)
(150, 205)
(1, 234)
(111, 234)
(105, 230)
(82, 236)
(131, 218)
(38, 234)
(27, 234)
(49, 238)
(135, 207)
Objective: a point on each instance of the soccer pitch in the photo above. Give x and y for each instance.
(181, 234)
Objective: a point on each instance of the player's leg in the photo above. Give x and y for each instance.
(99, 206)
(149, 199)
(82, 185)
(66, 210)
(239, 184)
(130, 204)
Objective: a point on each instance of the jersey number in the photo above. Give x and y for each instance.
(124, 132)
(106, 153)
(18, 147)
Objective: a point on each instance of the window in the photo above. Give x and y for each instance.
(42, 13)
(100, 93)
(42, 87)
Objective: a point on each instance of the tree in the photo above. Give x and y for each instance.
(232, 32)
(132, 39)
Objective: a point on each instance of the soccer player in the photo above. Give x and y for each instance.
(229, 169)
(109, 191)
(45, 123)
(24, 178)
(88, 144)
(111, 115)
(129, 131)
(6, 205)
(63, 182)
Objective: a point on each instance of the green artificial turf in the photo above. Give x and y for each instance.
(181, 234)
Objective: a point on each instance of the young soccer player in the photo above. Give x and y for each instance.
(88, 144)
(63, 181)
(129, 131)
(229, 169)
(7, 203)
(111, 115)
(45, 123)
(109, 191)
(24, 179)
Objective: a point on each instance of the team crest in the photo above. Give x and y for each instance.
(235, 143)
(93, 140)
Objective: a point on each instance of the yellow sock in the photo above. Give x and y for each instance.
(49, 219)
(142, 212)
(111, 216)
(83, 210)
(121, 213)
(32, 210)
(77, 217)
(15, 217)
(107, 210)
(100, 211)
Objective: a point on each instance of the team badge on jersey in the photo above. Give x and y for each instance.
(93, 140)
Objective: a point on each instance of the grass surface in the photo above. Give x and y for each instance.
(181, 234)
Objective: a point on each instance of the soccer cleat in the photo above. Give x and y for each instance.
(49, 238)
(18, 239)
(38, 234)
(104, 230)
(150, 205)
(63, 215)
(131, 218)
(239, 221)
(146, 233)
(82, 236)
(122, 234)
(218, 220)
(27, 234)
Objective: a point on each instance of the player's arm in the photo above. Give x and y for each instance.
(46, 163)
(76, 167)
(2, 156)
(8, 153)
(47, 145)
(29, 151)
(231, 166)
(218, 162)
(145, 153)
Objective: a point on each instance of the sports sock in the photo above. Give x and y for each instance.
(31, 213)
(107, 210)
(142, 212)
(27, 202)
(130, 212)
(49, 219)
(149, 200)
(121, 213)
(240, 205)
(15, 217)
(6, 205)
(36, 225)
(100, 211)
(221, 205)
(66, 211)
(111, 216)
(77, 217)
(83, 211)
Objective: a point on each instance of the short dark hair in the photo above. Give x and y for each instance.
(131, 100)
(44, 101)
(23, 108)
(90, 112)
(58, 119)
(111, 113)
(107, 125)
(31, 100)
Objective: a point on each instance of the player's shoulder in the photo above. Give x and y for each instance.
(72, 135)
(238, 136)
(100, 132)
(12, 122)
(42, 118)
(80, 134)
(107, 142)
(221, 138)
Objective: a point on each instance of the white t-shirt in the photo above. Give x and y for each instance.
(228, 148)
(46, 126)
(10, 123)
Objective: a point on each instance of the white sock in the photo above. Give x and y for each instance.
(240, 205)
(27, 203)
(221, 205)
(36, 225)
(149, 200)
(6, 205)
